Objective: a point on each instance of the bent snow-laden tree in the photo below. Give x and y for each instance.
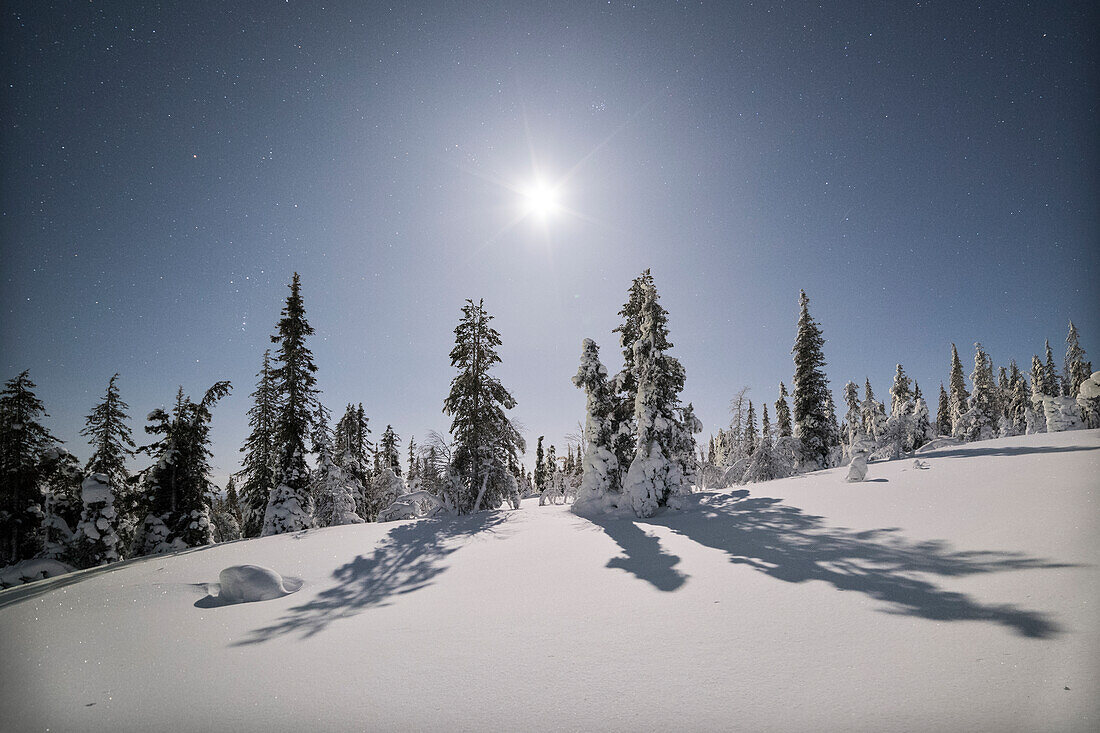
(601, 482)
(288, 507)
(485, 440)
(655, 478)
(178, 487)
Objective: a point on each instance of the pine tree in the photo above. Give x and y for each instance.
(1076, 370)
(601, 483)
(767, 462)
(414, 464)
(1018, 403)
(1052, 385)
(112, 443)
(60, 480)
(959, 396)
(901, 399)
(485, 439)
(258, 473)
(809, 390)
(921, 426)
(782, 413)
(23, 443)
(1039, 388)
(288, 507)
(655, 477)
(833, 434)
(178, 484)
(943, 413)
(868, 409)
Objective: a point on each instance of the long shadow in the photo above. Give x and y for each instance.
(975, 449)
(644, 557)
(784, 542)
(406, 560)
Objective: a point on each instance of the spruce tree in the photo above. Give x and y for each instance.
(112, 443)
(809, 389)
(540, 467)
(178, 485)
(288, 507)
(901, 399)
(233, 501)
(1076, 369)
(782, 413)
(23, 444)
(1051, 382)
(750, 430)
(96, 542)
(601, 481)
(655, 477)
(485, 439)
(959, 398)
(626, 382)
(258, 473)
(981, 418)
(387, 444)
(853, 418)
(943, 413)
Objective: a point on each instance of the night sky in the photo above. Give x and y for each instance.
(928, 172)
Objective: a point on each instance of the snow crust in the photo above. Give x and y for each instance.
(959, 596)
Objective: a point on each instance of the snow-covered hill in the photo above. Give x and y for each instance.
(963, 596)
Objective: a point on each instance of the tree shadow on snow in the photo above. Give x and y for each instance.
(644, 557)
(789, 545)
(975, 449)
(407, 559)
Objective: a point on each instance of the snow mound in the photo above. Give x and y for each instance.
(247, 583)
(29, 571)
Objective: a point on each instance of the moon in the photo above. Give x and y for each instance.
(540, 200)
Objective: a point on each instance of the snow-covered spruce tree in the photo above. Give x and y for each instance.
(601, 482)
(258, 473)
(1088, 400)
(901, 398)
(853, 418)
(1052, 384)
(1076, 370)
(626, 382)
(683, 446)
(288, 506)
(387, 445)
(413, 469)
(1019, 401)
(1036, 421)
(833, 435)
(920, 426)
(767, 462)
(223, 521)
(233, 500)
(334, 493)
(808, 391)
(959, 398)
(873, 415)
(485, 439)
(943, 413)
(23, 441)
(352, 451)
(750, 431)
(112, 443)
(95, 541)
(782, 414)
(540, 466)
(979, 422)
(654, 477)
(178, 487)
(61, 476)
(734, 443)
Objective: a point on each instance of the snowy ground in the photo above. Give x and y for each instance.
(961, 597)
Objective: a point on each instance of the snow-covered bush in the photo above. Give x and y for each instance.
(1088, 400)
(413, 505)
(285, 512)
(96, 541)
(1061, 414)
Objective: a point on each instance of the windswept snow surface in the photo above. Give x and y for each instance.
(963, 597)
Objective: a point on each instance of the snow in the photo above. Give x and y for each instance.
(248, 583)
(958, 598)
(27, 571)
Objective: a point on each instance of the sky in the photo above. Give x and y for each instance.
(926, 171)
